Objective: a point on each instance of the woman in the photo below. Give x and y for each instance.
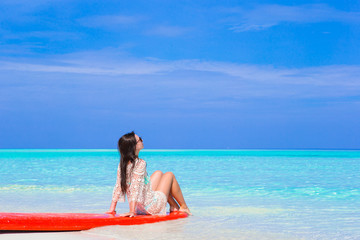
(145, 195)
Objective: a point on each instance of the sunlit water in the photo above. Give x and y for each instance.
(233, 194)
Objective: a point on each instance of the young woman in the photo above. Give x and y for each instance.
(145, 195)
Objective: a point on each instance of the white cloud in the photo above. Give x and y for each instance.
(227, 79)
(168, 31)
(265, 16)
(52, 35)
(109, 21)
(24, 11)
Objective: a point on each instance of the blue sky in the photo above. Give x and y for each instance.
(182, 74)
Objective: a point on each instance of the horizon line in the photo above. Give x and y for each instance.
(183, 149)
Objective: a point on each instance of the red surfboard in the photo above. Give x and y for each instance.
(74, 221)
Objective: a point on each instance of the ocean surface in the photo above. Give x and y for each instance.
(233, 194)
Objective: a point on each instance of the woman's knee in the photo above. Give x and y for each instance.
(169, 174)
(156, 175)
(158, 172)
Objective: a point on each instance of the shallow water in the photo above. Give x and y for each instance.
(233, 194)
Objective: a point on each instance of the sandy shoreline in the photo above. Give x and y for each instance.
(52, 235)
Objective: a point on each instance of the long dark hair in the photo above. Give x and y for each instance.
(126, 147)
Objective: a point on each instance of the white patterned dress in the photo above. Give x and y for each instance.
(139, 190)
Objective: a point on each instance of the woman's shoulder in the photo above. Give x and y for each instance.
(140, 161)
(140, 165)
(137, 163)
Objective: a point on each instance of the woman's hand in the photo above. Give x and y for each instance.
(111, 212)
(112, 208)
(128, 214)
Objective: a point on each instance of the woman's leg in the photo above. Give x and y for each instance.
(155, 180)
(170, 186)
(174, 206)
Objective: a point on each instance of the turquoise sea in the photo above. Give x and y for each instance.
(233, 194)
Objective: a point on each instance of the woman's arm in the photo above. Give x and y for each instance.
(117, 194)
(129, 214)
(112, 208)
(132, 210)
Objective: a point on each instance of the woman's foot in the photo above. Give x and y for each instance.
(185, 209)
(174, 208)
